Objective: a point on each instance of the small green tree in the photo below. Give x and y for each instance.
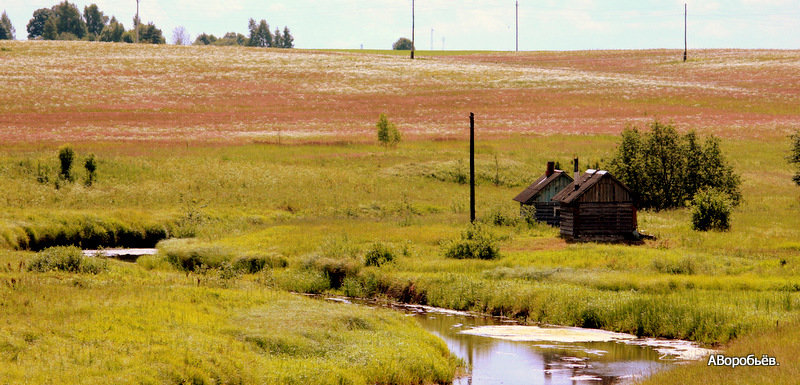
(277, 38)
(69, 20)
(288, 39)
(95, 20)
(149, 34)
(8, 32)
(113, 31)
(794, 156)
(66, 155)
(90, 164)
(388, 134)
(260, 36)
(402, 44)
(711, 210)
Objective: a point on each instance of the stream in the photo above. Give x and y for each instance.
(500, 351)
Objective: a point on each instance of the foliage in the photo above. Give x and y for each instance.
(378, 254)
(475, 243)
(66, 258)
(665, 169)
(36, 24)
(287, 41)
(402, 44)
(277, 38)
(96, 21)
(90, 164)
(260, 36)
(794, 156)
(388, 134)
(204, 39)
(66, 155)
(711, 210)
(50, 30)
(149, 34)
(113, 32)
(69, 21)
(7, 31)
(231, 39)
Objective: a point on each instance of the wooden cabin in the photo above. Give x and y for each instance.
(597, 207)
(540, 193)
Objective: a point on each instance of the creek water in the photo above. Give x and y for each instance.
(517, 359)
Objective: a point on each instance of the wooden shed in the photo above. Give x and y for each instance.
(597, 207)
(540, 193)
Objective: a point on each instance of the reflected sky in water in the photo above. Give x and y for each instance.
(495, 361)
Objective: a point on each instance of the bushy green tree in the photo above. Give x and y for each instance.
(711, 210)
(50, 31)
(402, 44)
(66, 155)
(204, 39)
(665, 169)
(69, 20)
(149, 34)
(95, 20)
(288, 39)
(231, 39)
(36, 24)
(794, 156)
(112, 32)
(260, 36)
(388, 134)
(90, 164)
(7, 31)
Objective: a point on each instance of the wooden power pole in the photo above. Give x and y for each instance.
(685, 45)
(517, 27)
(412, 30)
(471, 167)
(136, 24)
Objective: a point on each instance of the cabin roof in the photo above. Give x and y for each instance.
(538, 185)
(585, 182)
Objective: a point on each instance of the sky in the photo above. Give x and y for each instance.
(469, 24)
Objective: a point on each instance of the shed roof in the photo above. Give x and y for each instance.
(585, 182)
(538, 185)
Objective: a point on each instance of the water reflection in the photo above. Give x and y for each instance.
(494, 361)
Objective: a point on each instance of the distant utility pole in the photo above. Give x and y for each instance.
(517, 27)
(471, 167)
(412, 30)
(431, 39)
(685, 45)
(136, 26)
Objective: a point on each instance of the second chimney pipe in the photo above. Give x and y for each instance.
(577, 175)
(551, 166)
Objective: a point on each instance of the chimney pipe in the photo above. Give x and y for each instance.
(577, 175)
(551, 166)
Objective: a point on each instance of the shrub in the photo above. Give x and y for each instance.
(191, 255)
(378, 254)
(91, 170)
(388, 134)
(251, 264)
(335, 270)
(66, 258)
(711, 210)
(475, 243)
(66, 155)
(402, 44)
(794, 156)
(498, 217)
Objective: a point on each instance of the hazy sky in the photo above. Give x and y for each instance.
(470, 24)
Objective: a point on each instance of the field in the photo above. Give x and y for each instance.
(271, 155)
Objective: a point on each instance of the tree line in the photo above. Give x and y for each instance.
(260, 36)
(64, 21)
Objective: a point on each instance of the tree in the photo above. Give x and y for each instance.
(113, 31)
(95, 20)
(388, 134)
(277, 39)
(665, 170)
(204, 39)
(231, 39)
(149, 34)
(260, 36)
(50, 31)
(90, 164)
(180, 37)
(69, 20)
(288, 39)
(7, 31)
(794, 156)
(66, 155)
(402, 44)
(36, 24)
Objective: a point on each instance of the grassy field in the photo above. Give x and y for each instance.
(270, 155)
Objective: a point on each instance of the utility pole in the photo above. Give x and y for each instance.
(412, 30)
(517, 27)
(471, 167)
(685, 45)
(136, 24)
(431, 39)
